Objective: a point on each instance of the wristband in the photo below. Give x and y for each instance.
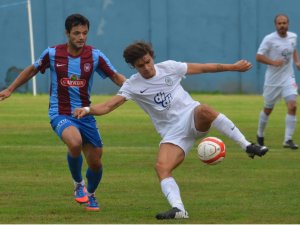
(87, 109)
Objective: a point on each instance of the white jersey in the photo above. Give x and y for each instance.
(275, 47)
(162, 97)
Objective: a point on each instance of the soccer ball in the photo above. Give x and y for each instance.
(211, 150)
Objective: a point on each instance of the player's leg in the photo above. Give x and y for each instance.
(72, 138)
(169, 157)
(290, 122)
(66, 129)
(262, 124)
(92, 149)
(93, 174)
(205, 117)
(271, 95)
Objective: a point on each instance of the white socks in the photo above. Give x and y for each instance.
(76, 183)
(290, 125)
(227, 127)
(262, 123)
(171, 192)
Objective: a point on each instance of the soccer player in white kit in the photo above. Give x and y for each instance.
(278, 51)
(178, 118)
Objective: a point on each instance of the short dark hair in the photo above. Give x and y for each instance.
(136, 51)
(281, 14)
(75, 20)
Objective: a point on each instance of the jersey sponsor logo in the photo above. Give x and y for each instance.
(73, 81)
(286, 54)
(163, 99)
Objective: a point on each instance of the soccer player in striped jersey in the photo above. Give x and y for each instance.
(72, 66)
(178, 118)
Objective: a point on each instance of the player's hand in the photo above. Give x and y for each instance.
(79, 113)
(4, 94)
(278, 62)
(242, 65)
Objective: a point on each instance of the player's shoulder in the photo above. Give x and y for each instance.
(94, 50)
(166, 63)
(133, 78)
(271, 36)
(291, 34)
(59, 46)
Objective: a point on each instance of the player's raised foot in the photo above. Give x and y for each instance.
(80, 194)
(253, 150)
(260, 140)
(290, 144)
(173, 213)
(92, 204)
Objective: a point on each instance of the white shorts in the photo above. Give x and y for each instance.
(186, 137)
(273, 94)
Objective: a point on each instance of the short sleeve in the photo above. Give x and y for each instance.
(125, 90)
(264, 47)
(179, 68)
(43, 61)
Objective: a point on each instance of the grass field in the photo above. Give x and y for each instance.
(36, 186)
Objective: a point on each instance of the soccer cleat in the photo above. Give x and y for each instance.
(253, 150)
(80, 194)
(92, 204)
(290, 144)
(173, 213)
(260, 140)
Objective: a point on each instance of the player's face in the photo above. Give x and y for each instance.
(282, 25)
(78, 36)
(145, 66)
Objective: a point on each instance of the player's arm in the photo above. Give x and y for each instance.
(101, 108)
(266, 60)
(118, 79)
(196, 68)
(296, 59)
(23, 77)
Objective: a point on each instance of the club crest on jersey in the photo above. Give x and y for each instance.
(73, 81)
(87, 67)
(169, 81)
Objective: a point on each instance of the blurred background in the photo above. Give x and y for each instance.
(184, 30)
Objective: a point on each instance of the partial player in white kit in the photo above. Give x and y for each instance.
(278, 51)
(178, 118)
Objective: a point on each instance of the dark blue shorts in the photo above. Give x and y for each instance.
(86, 126)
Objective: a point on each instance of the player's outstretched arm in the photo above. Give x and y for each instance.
(118, 79)
(196, 68)
(23, 77)
(101, 108)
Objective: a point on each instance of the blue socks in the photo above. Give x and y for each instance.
(93, 178)
(75, 165)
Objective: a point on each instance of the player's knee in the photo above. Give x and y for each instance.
(162, 170)
(206, 113)
(75, 147)
(95, 164)
(292, 108)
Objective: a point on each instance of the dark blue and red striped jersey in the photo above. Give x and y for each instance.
(72, 77)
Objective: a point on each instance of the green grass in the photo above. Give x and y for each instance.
(36, 187)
